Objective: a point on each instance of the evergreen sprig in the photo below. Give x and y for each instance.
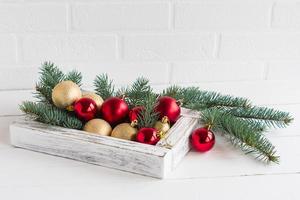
(148, 116)
(139, 92)
(50, 76)
(104, 86)
(44, 110)
(50, 114)
(74, 76)
(196, 99)
(241, 134)
(267, 116)
(235, 117)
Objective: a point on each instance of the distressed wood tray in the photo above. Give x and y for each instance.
(155, 161)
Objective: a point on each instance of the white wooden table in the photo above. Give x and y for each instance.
(222, 173)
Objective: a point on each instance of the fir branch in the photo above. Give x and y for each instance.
(74, 76)
(50, 76)
(196, 99)
(147, 117)
(268, 116)
(250, 140)
(49, 114)
(139, 91)
(104, 86)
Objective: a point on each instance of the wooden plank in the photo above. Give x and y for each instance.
(98, 153)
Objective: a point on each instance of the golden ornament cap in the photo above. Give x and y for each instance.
(124, 131)
(65, 94)
(162, 126)
(98, 99)
(98, 126)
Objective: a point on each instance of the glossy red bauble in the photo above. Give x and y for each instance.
(147, 136)
(202, 139)
(114, 110)
(168, 107)
(134, 113)
(85, 109)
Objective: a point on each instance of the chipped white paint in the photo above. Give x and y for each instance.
(156, 161)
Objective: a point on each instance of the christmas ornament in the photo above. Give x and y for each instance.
(65, 94)
(85, 109)
(202, 139)
(162, 126)
(114, 110)
(168, 107)
(134, 113)
(124, 131)
(98, 126)
(98, 100)
(147, 136)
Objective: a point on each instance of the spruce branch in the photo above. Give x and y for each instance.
(104, 86)
(240, 134)
(50, 76)
(139, 92)
(74, 76)
(268, 116)
(50, 114)
(196, 99)
(147, 117)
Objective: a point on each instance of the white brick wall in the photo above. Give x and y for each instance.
(212, 43)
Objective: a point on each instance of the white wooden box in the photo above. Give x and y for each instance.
(155, 161)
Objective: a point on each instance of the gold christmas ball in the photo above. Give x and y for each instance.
(162, 126)
(65, 94)
(124, 131)
(98, 100)
(98, 126)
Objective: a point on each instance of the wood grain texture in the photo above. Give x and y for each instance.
(156, 161)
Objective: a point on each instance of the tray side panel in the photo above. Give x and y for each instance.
(87, 151)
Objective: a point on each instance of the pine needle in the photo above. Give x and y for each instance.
(268, 116)
(50, 114)
(104, 86)
(241, 134)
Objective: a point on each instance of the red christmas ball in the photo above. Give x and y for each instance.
(85, 109)
(168, 107)
(147, 136)
(114, 110)
(202, 139)
(135, 112)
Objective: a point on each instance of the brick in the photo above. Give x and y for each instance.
(222, 16)
(32, 17)
(286, 15)
(168, 47)
(17, 77)
(216, 71)
(283, 70)
(7, 49)
(260, 46)
(68, 47)
(120, 16)
(122, 73)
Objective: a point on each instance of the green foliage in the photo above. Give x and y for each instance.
(241, 122)
(266, 116)
(241, 134)
(74, 76)
(148, 116)
(44, 111)
(50, 76)
(196, 99)
(139, 92)
(50, 114)
(104, 86)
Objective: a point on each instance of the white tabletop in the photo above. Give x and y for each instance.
(222, 173)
